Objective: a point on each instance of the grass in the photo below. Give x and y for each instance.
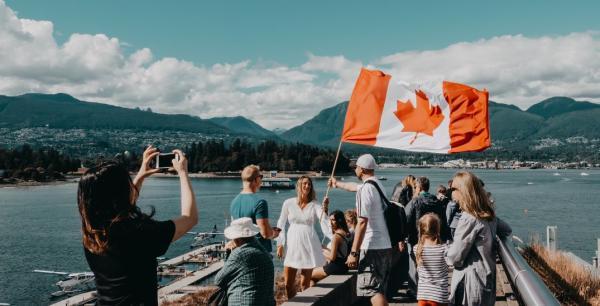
(571, 283)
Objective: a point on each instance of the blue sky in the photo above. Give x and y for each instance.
(208, 32)
(281, 62)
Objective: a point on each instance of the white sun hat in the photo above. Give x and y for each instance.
(366, 161)
(241, 228)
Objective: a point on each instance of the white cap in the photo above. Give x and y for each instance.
(366, 161)
(241, 228)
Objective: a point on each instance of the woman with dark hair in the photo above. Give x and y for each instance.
(473, 253)
(302, 244)
(337, 255)
(121, 242)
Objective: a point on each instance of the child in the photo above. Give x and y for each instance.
(431, 265)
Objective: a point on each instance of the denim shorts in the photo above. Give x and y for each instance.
(374, 268)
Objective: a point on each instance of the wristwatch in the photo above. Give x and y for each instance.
(354, 254)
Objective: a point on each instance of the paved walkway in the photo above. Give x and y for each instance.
(504, 293)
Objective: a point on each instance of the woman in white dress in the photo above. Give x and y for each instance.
(303, 246)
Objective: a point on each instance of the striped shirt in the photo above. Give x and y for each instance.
(433, 274)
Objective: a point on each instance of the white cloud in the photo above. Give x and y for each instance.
(515, 69)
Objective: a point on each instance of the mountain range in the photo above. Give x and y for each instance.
(559, 118)
(556, 117)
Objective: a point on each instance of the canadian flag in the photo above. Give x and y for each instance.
(439, 118)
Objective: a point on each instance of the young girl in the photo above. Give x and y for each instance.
(431, 265)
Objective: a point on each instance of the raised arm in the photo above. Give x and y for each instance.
(348, 186)
(145, 170)
(322, 215)
(189, 212)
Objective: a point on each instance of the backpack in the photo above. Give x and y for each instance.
(437, 209)
(395, 219)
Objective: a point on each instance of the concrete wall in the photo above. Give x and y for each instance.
(334, 290)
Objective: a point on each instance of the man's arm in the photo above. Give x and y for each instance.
(348, 186)
(266, 231)
(262, 220)
(359, 233)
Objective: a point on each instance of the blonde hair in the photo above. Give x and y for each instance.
(429, 227)
(311, 195)
(409, 180)
(250, 173)
(351, 214)
(473, 198)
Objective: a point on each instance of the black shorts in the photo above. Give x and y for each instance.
(335, 268)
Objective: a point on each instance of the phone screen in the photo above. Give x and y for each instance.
(164, 160)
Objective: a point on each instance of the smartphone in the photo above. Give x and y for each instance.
(164, 160)
(277, 229)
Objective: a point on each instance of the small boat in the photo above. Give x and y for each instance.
(277, 183)
(72, 283)
(556, 174)
(584, 174)
(383, 178)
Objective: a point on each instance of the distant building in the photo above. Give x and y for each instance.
(457, 163)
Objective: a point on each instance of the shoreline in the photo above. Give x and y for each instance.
(28, 184)
(236, 175)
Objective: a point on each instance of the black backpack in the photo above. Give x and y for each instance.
(440, 210)
(395, 218)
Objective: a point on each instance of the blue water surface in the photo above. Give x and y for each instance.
(40, 226)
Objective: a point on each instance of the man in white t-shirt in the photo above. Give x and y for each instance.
(371, 236)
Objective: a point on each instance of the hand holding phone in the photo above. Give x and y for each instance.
(164, 160)
(179, 162)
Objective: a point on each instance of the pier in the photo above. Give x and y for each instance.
(516, 284)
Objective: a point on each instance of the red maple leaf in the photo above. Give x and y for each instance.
(423, 119)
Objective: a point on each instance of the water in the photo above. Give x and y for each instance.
(40, 227)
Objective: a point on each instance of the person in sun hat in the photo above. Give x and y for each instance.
(248, 274)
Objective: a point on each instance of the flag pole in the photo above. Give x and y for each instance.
(337, 155)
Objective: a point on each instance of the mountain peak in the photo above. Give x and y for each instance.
(62, 97)
(242, 124)
(559, 105)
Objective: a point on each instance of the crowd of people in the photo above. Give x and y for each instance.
(455, 228)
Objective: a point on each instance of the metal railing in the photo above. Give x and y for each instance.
(527, 283)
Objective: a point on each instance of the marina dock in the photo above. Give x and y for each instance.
(179, 287)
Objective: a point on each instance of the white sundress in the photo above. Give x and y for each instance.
(302, 245)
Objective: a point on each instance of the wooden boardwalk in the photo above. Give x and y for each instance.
(505, 295)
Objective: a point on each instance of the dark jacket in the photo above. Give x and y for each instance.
(453, 214)
(418, 207)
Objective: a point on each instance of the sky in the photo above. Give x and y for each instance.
(280, 62)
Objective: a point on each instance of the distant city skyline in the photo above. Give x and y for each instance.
(279, 63)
